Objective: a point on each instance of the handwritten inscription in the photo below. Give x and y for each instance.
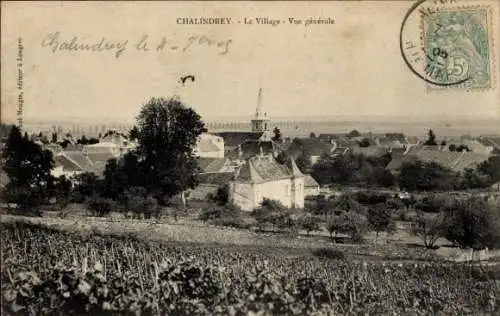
(57, 43)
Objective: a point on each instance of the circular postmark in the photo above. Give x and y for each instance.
(439, 43)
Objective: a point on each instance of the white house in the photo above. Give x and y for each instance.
(209, 146)
(263, 177)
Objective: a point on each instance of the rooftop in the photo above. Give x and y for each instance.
(265, 168)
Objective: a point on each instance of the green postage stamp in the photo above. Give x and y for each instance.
(458, 44)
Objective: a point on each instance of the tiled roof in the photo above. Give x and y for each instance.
(211, 165)
(456, 161)
(67, 163)
(311, 146)
(251, 148)
(83, 162)
(73, 147)
(413, 140)
(309, 181)
(331, 136)
(396, 136)
(490, 141)
(265, 168)
(370, 151)
(232, 139)
(206, 145)
(219, 178)
(340, 151)
(100, 157)
(469, 160)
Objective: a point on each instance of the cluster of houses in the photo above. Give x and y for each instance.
(246, 162)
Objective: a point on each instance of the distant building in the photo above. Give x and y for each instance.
(263, 177)
(496, 186)
(260, 130)
(261, 121)
(456, 161)
(209, 146)
(313, 148)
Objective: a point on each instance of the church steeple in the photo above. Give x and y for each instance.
(260, 120)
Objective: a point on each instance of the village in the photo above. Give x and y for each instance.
(248, 162)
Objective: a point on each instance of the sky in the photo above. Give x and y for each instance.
(350, 68)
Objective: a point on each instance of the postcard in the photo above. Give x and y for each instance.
(291, 157)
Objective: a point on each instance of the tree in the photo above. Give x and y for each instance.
(491, 168)
(83, 140)
(282, 158)
(86, 185)
(354, 133)
(133, 134)
(62, 192)
(168, 132)
(473, 223)
(54, 138)
(5, 130)
(426, 176)
(365, 142)
(277, 135)
(29, 170)
(431, 141)
(350, 223)
(309, 223)
(380, 219)
(304, 163)
(138, 201)
(429, 228)
(452, 147)
(221, 197)
(312, 135)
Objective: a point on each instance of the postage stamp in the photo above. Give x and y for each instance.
(459, 48)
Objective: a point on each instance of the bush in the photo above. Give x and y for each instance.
(227, 215)
(100, 206)
(309, 223)
(370, 198)
(137, 201)
(221, 197)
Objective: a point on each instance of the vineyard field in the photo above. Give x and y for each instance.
(47, 271)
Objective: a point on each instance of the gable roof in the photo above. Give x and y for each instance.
(211, 165)
(82, 161)
(396, 136)
(340, 151)
(251, 148)
(67, 163)
(219, 178)
(311, 146)
(261, 169)
(73, 147)
(309, 181)
(330, 136)
(206, 145)
(456, 161)
(232, 139)
(370, 151)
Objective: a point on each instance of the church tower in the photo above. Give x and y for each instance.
(260, 122)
